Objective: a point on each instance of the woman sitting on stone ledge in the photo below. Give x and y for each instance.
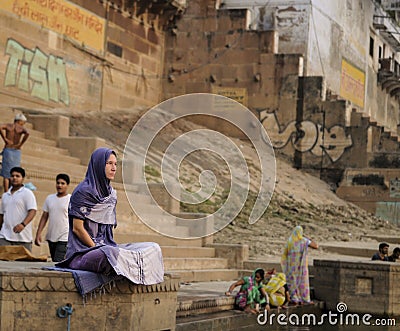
(92, 217)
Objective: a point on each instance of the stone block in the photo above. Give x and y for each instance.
(364, 286)
(82, 147)
(53, 126)
(125, 306)
(164, 199)
(236, 254)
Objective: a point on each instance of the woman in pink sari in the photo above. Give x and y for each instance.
(295, 266)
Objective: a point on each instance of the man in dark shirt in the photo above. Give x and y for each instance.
(382, 255)
(395, 255)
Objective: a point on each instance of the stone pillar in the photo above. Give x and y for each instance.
(370, 287)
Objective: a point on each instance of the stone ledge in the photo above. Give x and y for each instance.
(12, 280)
(364, 286)
(31, 297)
(363, 265)
(198, 306)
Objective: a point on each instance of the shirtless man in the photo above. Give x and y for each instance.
(14, 136)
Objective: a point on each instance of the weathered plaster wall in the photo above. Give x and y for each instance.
(42, 69)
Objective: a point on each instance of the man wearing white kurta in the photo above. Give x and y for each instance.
(17, 210)
(55, 211)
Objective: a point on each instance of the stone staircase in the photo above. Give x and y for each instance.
(188, 258)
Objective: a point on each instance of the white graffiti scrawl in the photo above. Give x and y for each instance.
(32, 71)
(307, 136)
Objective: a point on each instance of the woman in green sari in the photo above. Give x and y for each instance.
(251, 294)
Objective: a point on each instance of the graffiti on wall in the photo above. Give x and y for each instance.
(394, 190)
(32, 71)
(306, 136)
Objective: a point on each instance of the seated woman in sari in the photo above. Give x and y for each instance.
(294, 264)
(277, 291)
(251, 294)
(92, 217)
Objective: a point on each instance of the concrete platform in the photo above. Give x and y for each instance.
(204, 306)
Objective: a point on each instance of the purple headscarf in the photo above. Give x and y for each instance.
(94, 198)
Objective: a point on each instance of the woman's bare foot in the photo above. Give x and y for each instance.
(251, 310)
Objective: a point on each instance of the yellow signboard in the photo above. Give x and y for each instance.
(62, 17)
(352, 84)
(236, 93)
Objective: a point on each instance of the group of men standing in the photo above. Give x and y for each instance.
(18, 203)
(383, 253)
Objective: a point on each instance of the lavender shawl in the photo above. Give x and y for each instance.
(94, 201)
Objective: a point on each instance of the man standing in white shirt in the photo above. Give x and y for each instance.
(17, 210)
(55, 210)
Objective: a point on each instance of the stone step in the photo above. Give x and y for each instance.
(395, 240)
(46, 184)
(141, 228)
(37, 139)
(362, 250)
(206, 275)
(123, 237)
(182, 251)
(31, 163)
(234, 320)
(230, 320)
(48, 153)
(190, 264)
(35, 134)
(204, 302)
(168, 252)
(251, 265)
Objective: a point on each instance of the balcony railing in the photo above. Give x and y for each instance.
(387, 27)
(389, 76)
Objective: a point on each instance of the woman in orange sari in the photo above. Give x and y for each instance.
(294, 264)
